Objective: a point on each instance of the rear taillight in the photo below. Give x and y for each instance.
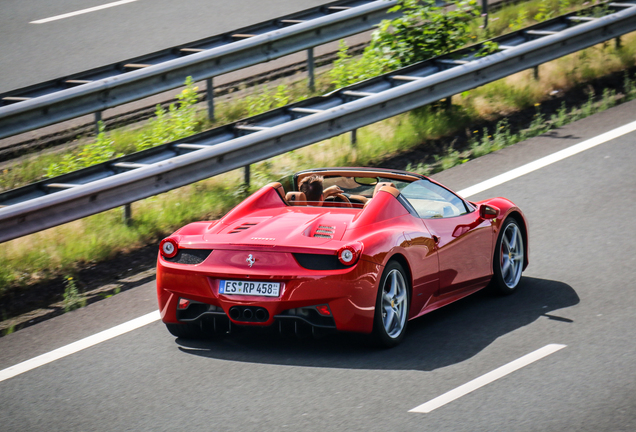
(168, 248)
(349, 254)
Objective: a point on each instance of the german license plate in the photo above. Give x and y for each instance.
(249, 288)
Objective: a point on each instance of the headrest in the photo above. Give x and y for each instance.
(381, 185)
(296, 198)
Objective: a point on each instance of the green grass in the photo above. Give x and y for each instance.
(517, 16)
(503, 137)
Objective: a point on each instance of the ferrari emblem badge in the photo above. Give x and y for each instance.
(250, 260)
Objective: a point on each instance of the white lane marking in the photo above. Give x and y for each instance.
(81, 344)
(550, 159)
(487, 378)
(83, 11)
(495, 181)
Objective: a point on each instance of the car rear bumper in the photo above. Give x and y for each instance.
(350, 295)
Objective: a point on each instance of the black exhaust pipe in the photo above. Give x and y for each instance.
(261, 315)
(235, 313)
(247, 314)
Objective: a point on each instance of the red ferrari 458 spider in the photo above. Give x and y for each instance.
(382, 248)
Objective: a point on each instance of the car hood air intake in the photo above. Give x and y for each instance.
(325, 231)
(243, 227)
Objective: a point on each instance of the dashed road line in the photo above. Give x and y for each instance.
(80, 345)
(483, 380)
(83, 11)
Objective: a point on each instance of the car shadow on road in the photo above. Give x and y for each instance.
(444, 337)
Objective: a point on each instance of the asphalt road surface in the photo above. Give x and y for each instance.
(578, 291)
(32, 53)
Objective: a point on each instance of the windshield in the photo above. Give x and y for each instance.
(433, 201)
(355, 185)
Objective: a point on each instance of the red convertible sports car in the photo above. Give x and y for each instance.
(351, 249)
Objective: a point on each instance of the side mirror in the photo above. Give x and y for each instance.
(488, 212)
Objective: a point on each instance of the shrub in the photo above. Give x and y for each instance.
(72, 297)
(423, 31)
(347, 70)
(178, 122)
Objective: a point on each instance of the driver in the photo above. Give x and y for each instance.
(312, 188)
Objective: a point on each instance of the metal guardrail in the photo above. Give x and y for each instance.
(75, 195)
(102, 88)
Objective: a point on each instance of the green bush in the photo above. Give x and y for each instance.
(178, 122)
(91, 154)
(423, 31)
(487, 48)
(347, 70)
(266, 100)
(545, 11)
(520, 21)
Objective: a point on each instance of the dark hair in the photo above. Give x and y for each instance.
(312, 187)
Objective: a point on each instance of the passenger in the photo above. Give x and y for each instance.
(312, 188)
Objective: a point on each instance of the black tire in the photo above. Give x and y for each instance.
(508, 259)
(389, 333)
(186, 331)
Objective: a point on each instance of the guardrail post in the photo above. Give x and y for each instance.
(536, 72)
(98, 118)
(127, 214)
(484, 12)
(246, 179)
(209, 84)
(310, 69)
(354, 137)
(449, 102)
(618, 42)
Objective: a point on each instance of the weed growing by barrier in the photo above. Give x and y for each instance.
(72, 297)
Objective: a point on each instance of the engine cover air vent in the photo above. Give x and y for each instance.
(242, 227)
(325, 231)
